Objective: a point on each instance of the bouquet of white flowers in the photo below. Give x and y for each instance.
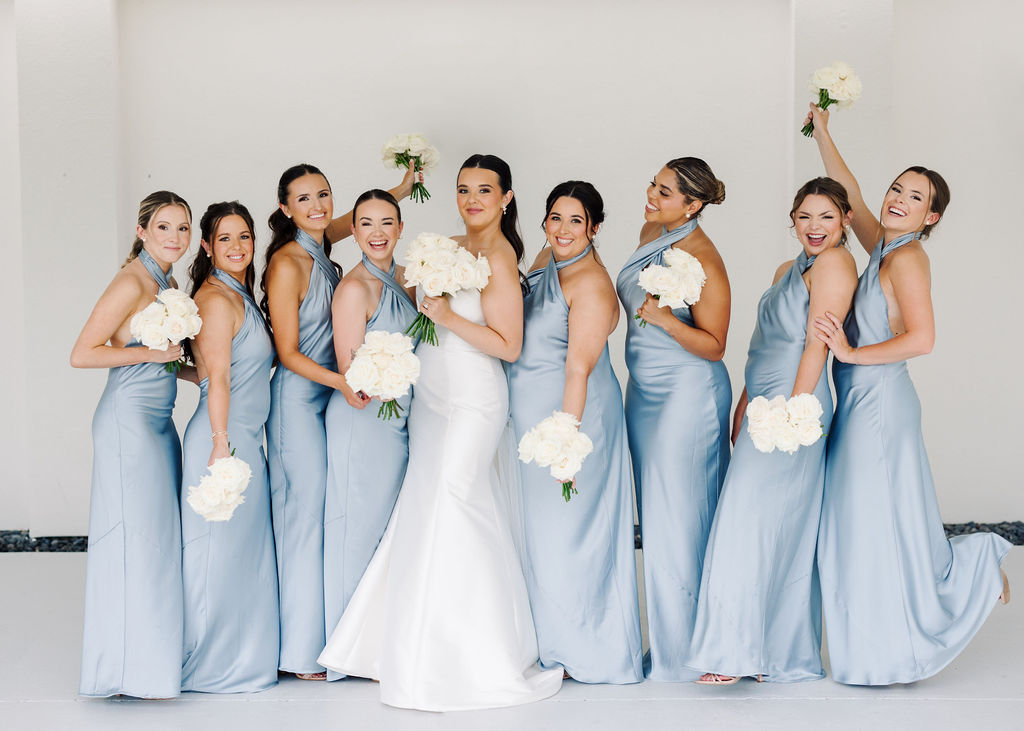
(558, 443)
(440, 266)
(172, 318)
(835, 84)
(384, 366)
(783, 424)
(402, 149)
(220, 489)
(676, 283)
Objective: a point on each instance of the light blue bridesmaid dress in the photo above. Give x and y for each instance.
(131, 640)
(759, 611)
(297, 456)
(900, 600)
(677, 413)
(230, 575)
(366, 459)
(578, 556)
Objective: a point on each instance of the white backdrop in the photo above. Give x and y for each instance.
(112, 100)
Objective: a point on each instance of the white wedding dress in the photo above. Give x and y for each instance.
(441, 617)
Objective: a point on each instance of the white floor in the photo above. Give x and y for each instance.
(40, 645)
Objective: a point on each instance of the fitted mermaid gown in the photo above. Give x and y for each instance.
(366, 459)
(441, 617)
(297, 458)
(131, 642)
(759, 611)
(901, 601)
(229, 572)
(579, 558)
(677, 416)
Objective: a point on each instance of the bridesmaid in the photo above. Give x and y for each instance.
(901, 601)
(133, 606)
(759, 608)
(579, 562)
(298, 283)
(366, 457)
(677, 409)
(229, 571)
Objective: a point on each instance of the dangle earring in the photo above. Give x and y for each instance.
(503, 210)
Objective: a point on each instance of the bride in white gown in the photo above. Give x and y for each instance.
(441, 617)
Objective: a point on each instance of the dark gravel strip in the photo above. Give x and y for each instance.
(19, 541)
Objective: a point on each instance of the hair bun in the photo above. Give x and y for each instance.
(719, 196)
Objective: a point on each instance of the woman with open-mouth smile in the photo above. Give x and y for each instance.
(228, 568)
(900, 600)
(366, 457)
(759, 609)
(298, 284)
(677, 407)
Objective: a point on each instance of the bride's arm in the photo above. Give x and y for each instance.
(502, 303)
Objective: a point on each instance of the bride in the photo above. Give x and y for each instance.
(441, 617)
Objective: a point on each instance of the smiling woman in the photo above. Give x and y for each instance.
(229, 565)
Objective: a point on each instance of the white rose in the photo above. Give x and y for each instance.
(435, 283)
(804, 406)
(823, 78)
(808, 432)
(786, 438)
(757, 411)
(408, 366)
(546, 452)
(152, 336)
(528, 445)
(481, 273)
(362, 376)
(761, 438)
(566, 468)
(175, 328)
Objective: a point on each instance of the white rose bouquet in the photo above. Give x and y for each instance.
(835, 84)
(172, 318)
(784, 424)
(558, 443)
(440, 266)
(676, 283)
(386, 367)
(402, 149)
(220, 489)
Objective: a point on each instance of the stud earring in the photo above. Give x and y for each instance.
(688, 215)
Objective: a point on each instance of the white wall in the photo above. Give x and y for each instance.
(214, 99)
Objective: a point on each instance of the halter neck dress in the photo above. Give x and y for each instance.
(759, 611)
(579, 559)
(131, 641)
(901, 601)
(229, 572)
(297, 456)
(677, 414)
(366, 459)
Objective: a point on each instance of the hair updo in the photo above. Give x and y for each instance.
(695, 180)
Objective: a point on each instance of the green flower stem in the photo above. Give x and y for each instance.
(824, 102)
(389, 410)
(423, 328)
(175, 366)
(643, 322)
(568, 490)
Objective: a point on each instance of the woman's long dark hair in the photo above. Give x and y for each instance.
(283, 229)
(202, 265)
(510, 216)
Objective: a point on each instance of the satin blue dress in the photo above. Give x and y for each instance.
(579, 559)
(366, 459)
(131, 642)
(759, 611)
(901, 601)
(297, 456)
(228, 568)
(677, 413)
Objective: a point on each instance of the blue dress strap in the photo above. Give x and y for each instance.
(559, 265)
(163, 280)
(388, 279)
(316, 250)
(664, 241)
(237, 286)
(898, 242)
